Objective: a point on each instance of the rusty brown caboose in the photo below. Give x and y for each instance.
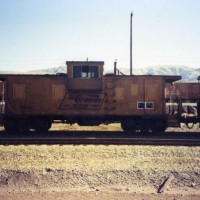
(85, 96)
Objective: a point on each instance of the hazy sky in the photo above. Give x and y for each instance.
(37, 34)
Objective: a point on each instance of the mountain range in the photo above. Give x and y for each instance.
(187, 73)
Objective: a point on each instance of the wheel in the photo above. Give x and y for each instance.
(11, 126)
(131, 126)
(159, 126)
(42, 126)
(126, 127)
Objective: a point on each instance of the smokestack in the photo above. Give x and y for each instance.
(131, 54)
(115, 67)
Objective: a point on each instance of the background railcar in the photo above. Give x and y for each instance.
(187, 91)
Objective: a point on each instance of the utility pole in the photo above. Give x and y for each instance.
(131, 54)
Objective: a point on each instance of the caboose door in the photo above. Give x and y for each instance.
(154, 101)
(36, 95)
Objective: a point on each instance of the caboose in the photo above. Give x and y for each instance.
(85, 96)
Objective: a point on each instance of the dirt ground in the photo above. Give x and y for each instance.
(96, 195)
(98, 172)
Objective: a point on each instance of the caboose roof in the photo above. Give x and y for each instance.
(171, 79)
(84, 63)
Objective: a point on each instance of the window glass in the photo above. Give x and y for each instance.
(77, 71)
(149, 105)
(85, 71)
(140, 105)
(94, 71)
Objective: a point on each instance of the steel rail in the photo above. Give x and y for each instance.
(99, 141)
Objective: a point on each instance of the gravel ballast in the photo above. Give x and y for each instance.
(96, 169)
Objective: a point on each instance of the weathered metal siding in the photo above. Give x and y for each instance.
(49, 95)
(33, 95)
(124, 93)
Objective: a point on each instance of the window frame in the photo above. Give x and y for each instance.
(81, 71)
(145, 105)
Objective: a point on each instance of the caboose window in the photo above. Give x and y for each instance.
(77, 72)
(140, 105)
(145, 105)
(85, 71)
(94, 71)
(149, 105)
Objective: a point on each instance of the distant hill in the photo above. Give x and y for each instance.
(12, 72)
(187, 73)
(55, 70)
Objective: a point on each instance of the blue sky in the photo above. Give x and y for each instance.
(38, 34)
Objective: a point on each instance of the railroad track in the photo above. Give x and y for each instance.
(101, 138)
(100, 141)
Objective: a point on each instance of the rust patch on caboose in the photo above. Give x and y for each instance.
(82, 102)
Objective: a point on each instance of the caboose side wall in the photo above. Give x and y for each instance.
(132, 94)
(49, 96)
(33, 94)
